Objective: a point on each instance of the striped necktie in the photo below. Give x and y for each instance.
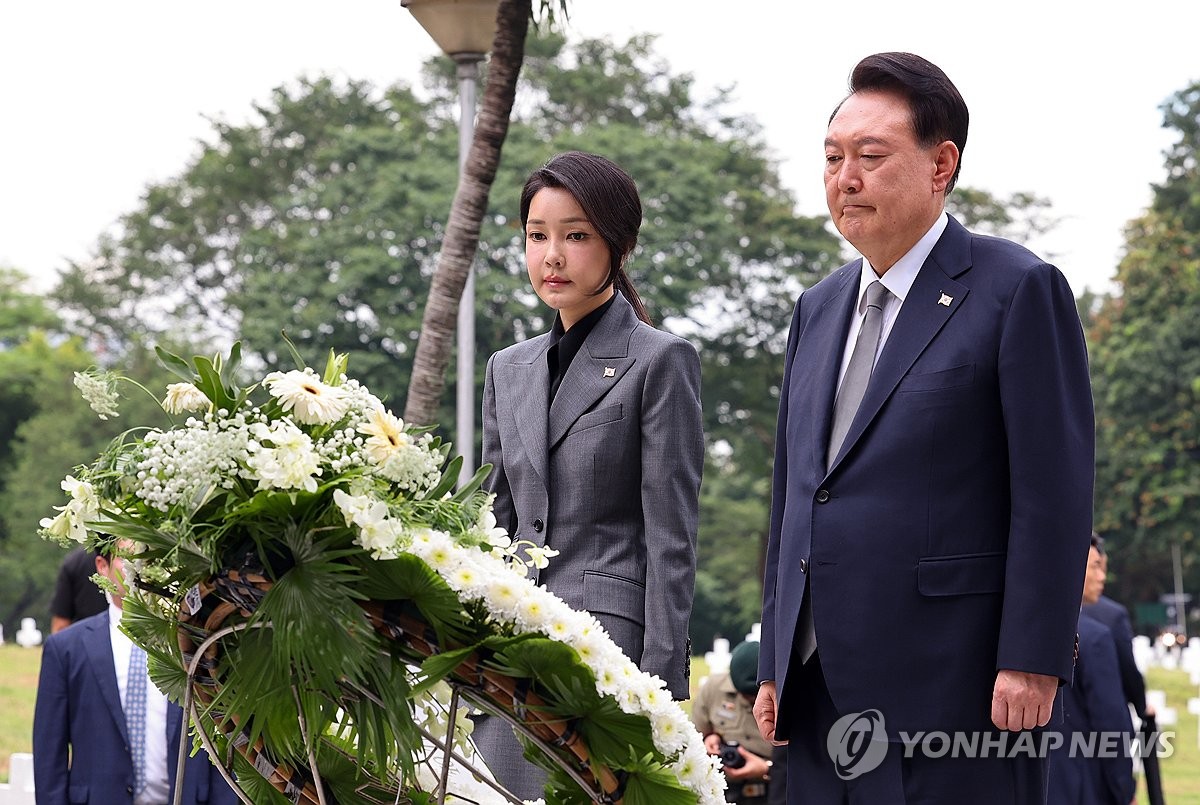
(135, 715)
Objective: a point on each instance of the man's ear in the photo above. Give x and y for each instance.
(945, 162)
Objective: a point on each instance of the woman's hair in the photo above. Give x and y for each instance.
(609, 199)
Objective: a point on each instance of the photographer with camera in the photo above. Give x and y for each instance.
(722, 711)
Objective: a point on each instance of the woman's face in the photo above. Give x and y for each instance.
(568, 260)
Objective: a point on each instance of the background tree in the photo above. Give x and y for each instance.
(45, 430)
(439, 323)
(1145, 347)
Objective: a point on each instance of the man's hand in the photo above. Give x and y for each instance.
(1022, 700)
(764, 712)
(755, 767)
(712, 742)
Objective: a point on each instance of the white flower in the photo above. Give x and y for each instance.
(82, 508)
(100, 391)
(361, 510)
(310, 400)
(184, 397)
(489, 531)
(61, 527)
(539, 556)
(386, 435)
(289, 463)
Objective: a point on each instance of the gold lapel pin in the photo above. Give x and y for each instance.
(609, 371)
(945, 300)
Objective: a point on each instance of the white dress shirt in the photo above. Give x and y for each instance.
(158, 784)
(898, 280)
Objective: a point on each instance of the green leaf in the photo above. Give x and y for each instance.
(175, 364)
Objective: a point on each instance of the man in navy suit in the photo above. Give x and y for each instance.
(1090, 767)
(1100, 607)
(932, 489)
(81, 732)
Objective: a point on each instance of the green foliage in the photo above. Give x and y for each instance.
(1145, 349)
(1020, 217)
(45, 430)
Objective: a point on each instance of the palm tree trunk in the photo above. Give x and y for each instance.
(466, 214)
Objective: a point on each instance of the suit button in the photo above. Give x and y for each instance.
(538, 525)
(128, 789)
(822, 496)
(803, 565)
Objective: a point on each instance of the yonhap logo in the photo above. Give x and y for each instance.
(857, 743)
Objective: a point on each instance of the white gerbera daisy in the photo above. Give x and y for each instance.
(311, 401)
(183, 397)
(385, 432)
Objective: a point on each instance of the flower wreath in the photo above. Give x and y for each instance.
(337, 505)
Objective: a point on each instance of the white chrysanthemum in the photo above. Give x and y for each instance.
(655, 699)
(310, 401)
(100, 391)
(668, 734)
(184, 397)
(288, 463)
(503, 597)
(518, 601)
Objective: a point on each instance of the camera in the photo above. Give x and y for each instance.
(731, 758)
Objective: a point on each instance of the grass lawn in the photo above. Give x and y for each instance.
(18, 687)
(1181, 771)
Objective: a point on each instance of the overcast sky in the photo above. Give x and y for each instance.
(97, 100)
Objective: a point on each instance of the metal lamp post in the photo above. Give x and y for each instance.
(464, 30)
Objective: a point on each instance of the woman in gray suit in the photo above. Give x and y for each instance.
(595, 436)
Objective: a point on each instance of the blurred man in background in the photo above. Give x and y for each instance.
(723, 712)
(76, 596)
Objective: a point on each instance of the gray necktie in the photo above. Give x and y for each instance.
(858, 372)
(854, 386)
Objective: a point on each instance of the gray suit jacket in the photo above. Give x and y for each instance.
(609, 476)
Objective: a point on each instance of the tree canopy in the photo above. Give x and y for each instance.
(1145, 350)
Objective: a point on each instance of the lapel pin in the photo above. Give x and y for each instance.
(609, 371)
(945, 300)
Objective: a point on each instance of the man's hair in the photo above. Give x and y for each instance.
(938, 111)
(1098, 542)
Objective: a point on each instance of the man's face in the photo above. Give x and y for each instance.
(884, 190)
(114, 571)
(1093, 581)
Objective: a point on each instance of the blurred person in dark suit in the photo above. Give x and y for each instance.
(1100, 607)
(76, 596)
(1091, 766)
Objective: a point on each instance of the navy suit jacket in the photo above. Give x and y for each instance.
(1116, 618)
(949, 537)
(80, 742)
(1094, 704)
